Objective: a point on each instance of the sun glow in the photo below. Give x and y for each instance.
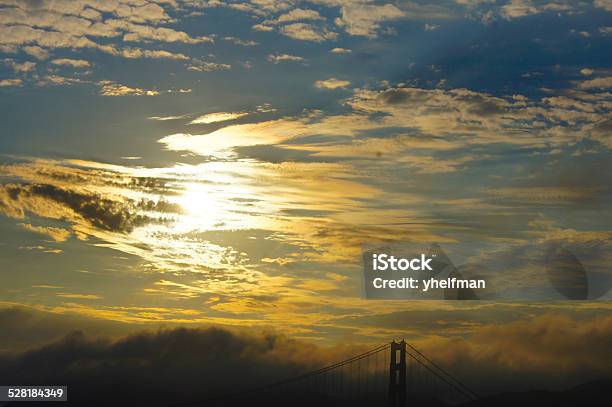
(199, 199)
(217, 197)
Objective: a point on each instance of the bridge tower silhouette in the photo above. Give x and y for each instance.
(408, 377)
(397, 374)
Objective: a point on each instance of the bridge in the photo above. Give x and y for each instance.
(394, 374)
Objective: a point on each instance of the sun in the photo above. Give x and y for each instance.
(205, 207)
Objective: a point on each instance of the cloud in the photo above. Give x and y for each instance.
(218, 141)
(586, 72)
(262, 27)
(37, 28)
(604, 82)
(109, 88)
(42, 249)
(513, 9)
(602, 131)
(141, 217)
(135, 53)
(77, 296)
(72, 23)
(142, 33)
(515, 121)
(57, 234)
(180, 90)
(26, 35)
(75, 63)
(166, 118)
(604, 4)
(52, 202)
(299, 24)
(20, 67)
(299, 14)
(338, 50)
(357, 18)
(37, 52)
(133, 219)
(58, 80)
(518, 8)
(365, 19)
(308, 32)
(238, 41)
(217, 117)
(199, 65)
(475, 119)
(276, 58)
(546, 351)
(549, 348)
(32, 328)
(4, 83)
(173, 361)
(46, 10)
(332, 83)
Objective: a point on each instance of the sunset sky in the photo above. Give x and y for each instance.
(210, 162)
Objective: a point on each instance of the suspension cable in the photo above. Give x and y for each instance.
(290, 380)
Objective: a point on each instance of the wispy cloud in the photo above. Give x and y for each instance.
(74, 63)
(20, 67)
(307, 32)
(78, 296)
(5, 83)
(57, 234)
(332, 83)
(217, 117)
(166, 118)
(239, 41)
(276, 58)
(199, 65)
(109, 88)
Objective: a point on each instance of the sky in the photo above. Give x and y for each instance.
(211, 163)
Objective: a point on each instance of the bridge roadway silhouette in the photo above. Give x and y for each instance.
(394, 374)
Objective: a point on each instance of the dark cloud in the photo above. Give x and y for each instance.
(482, 106)
(162, 367)
(602, 131)
(275, 154)
(104, 213)
(396, 96)
(159, 206)
(603, 127)
(152, 184)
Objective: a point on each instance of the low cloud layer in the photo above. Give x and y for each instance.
(547, 351)
(551, 351)
(157, 367)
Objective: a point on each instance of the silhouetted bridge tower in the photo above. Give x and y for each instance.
(395, 374)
